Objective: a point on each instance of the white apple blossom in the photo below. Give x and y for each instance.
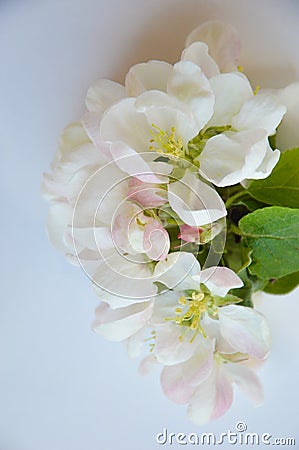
(196, 304)
(205, 382)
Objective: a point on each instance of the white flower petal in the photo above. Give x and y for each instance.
(211, 327)
(156, 241)
(198, 53)
(270, 160)
(147, 364)
(223, 41)
(231, 90)
(176, 271)
(180, 380)
(230, 158)
(91, 122)
(247, 381)
(194, 201)
(102, 94)
(134, 164)
(135, 342)
(164, 306)
(117, 272)
(151, 75)
(123, 123)
(261, 111)
(118, 325)
(220, 280)
(189, 84)
(92, 238)
(245, 329)
(102, 190)
(212, 398)
(73, 136)
(167, 112)
(59, 218)
(170, 348)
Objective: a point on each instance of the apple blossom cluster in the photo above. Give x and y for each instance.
(165, 193)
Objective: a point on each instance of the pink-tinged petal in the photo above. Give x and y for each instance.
(189, 84)
(261, 111)
(223, 41)
(228, 159)
(127, 234)
(220, 280)
(180, 380)
(246, 330)
(156, 241)
(151, 75)
(118, 325)
(227, 106)
(171, 348)
(198, 53)
(190, 234)
(288, 131)
(195, 202)
(176, 271)
(102, 94)
(146, 194)
(148, 364)
(247, 381)
(212, 398)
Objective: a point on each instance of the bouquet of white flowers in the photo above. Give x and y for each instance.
(177, 195)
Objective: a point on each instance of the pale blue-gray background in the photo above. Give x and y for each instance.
(62, 387)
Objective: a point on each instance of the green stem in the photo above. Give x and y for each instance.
(235, 197)
(235, 229)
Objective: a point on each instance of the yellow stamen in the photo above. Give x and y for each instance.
(256, 89)
(167, 144)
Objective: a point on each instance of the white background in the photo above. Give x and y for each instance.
(61, 386)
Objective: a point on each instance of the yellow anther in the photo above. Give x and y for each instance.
(168, 144)
(240, 69)
(183, 300)
(198, 296)
(178, 310)
(256, 89)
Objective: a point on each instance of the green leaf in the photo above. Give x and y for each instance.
(160, 287)
(281, 188)
(250, 203)
(272, 235)
(227, 300)
(251, 283)
(283, 285)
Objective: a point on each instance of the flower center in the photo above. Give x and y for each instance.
(193, 307)
(169, 145)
